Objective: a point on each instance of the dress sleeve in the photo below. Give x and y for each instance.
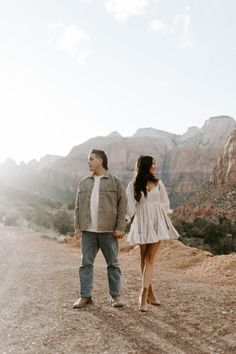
(164, 198)
(131, 202)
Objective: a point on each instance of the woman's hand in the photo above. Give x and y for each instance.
(77, 234)
(118, 234)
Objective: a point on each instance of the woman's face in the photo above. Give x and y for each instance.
(153, 168)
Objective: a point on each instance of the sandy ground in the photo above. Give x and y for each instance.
(39, 283)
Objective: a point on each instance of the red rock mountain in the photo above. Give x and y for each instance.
(218, 197)
(225, 171)
(185, 161)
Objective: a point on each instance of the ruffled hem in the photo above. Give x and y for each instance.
(139, 239)
(151, 225)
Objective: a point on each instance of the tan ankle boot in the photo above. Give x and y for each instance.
(152, 299)
(143, 300)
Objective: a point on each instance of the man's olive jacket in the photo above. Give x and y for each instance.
(111, 207)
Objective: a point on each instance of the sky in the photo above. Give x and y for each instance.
(71, 70)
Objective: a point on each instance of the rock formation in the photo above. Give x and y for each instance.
(185, 161)
(217, 198)
(225, 171)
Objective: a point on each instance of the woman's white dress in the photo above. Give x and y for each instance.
(151, 221)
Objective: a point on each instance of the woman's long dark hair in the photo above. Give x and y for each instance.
(143, 176)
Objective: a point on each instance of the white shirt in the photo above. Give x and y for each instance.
(94, 204)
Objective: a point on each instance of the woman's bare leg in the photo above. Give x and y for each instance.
(148, 255)
(143, 250)
(144, 292)
(152, 299)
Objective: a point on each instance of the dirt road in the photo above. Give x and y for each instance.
(39, 285)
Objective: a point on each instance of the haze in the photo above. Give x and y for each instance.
(74, 70)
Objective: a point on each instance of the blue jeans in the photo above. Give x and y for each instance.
(91, 242)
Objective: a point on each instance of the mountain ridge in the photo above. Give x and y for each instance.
(185, 161)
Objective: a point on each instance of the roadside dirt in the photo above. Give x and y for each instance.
(39, 283)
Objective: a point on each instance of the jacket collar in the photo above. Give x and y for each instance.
(106, 175)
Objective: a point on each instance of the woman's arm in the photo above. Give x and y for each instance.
(164, 198)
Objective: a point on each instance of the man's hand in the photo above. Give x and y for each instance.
(118, 234)
(77, 234)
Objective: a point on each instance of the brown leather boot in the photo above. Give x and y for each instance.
(152, 299)
(116, 301)
(82, 302)
(143, 300)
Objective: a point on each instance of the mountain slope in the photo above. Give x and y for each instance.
(217, 198)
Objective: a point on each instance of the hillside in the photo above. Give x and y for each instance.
(217, 198)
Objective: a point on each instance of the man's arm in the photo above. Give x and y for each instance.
(76, 216)
(121, 207)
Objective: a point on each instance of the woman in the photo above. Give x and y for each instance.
(148, 202)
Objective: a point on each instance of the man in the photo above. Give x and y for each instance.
(99, 222)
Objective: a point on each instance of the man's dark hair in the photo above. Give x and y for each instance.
(103, 156)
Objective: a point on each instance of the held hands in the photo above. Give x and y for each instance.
(77, 234)
(118, 234)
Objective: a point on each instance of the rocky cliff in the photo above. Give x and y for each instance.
(217, 198)
(224, 172)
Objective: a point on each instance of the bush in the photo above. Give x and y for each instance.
(11, 220)
(220, 238)
(63, 222)
(43, 219)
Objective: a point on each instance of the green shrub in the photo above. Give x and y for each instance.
(219, 238)
(11, 220)
(63, 222)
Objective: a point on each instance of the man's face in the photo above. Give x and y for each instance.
(94, 162)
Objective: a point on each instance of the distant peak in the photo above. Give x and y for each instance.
(149, 132)
(9, 162)
(48, 160)
(49, 157)
(221, 117)
(115, 134)
(191, 131)
(219, 120)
